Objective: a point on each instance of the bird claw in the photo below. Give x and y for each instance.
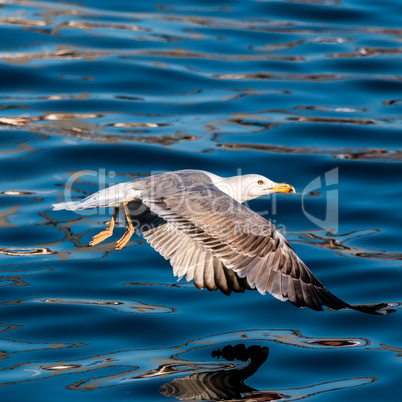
(100, 237)
(125, 238)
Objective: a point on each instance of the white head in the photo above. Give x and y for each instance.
(247, 187)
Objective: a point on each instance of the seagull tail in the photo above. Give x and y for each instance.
(70, 206)
(109, 197)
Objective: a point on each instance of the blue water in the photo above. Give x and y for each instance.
(121, 89)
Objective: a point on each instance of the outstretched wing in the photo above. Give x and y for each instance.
(187, 257)
(191, 259)
(244, 242)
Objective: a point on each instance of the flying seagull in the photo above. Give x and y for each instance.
(197, 220)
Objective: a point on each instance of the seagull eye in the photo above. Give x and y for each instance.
(260, 182)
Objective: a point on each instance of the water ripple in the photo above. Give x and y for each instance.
(105, 92)
(131, 306)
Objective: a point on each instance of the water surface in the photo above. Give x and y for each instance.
(288, 89)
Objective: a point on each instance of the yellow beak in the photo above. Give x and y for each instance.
(282, 188)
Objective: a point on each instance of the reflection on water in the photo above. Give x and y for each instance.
(17, 277)
(381, 154)
(228, 384)
(119, 306)
(20, 252)
(340, 244)
(290, 89)
(220, 384)
(219, 375)
(12, 346)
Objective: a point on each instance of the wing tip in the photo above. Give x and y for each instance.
(374, 309)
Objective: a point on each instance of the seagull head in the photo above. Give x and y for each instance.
(247, 187)
(255, 185)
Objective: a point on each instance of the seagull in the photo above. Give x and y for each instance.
(197, 221)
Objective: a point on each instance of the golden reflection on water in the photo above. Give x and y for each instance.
(281, 76)
(366, 52)
(118, 306)
(62, 54)
(351, 153)
(26, 251)
(331, 120)
(17, 192)
(22, 22)
(69, 125)
(90, 25)
(340, 244)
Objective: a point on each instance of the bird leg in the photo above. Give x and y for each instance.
(106, 233)
(129, 229)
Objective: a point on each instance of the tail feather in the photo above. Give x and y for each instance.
(109, 197)
(70, 206)
(102, 198)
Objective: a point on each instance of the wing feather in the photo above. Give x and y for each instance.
(188, 257)
(247, 244)
(197, 261)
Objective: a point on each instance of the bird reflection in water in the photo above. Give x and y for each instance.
(223, 384)
(228, 384)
